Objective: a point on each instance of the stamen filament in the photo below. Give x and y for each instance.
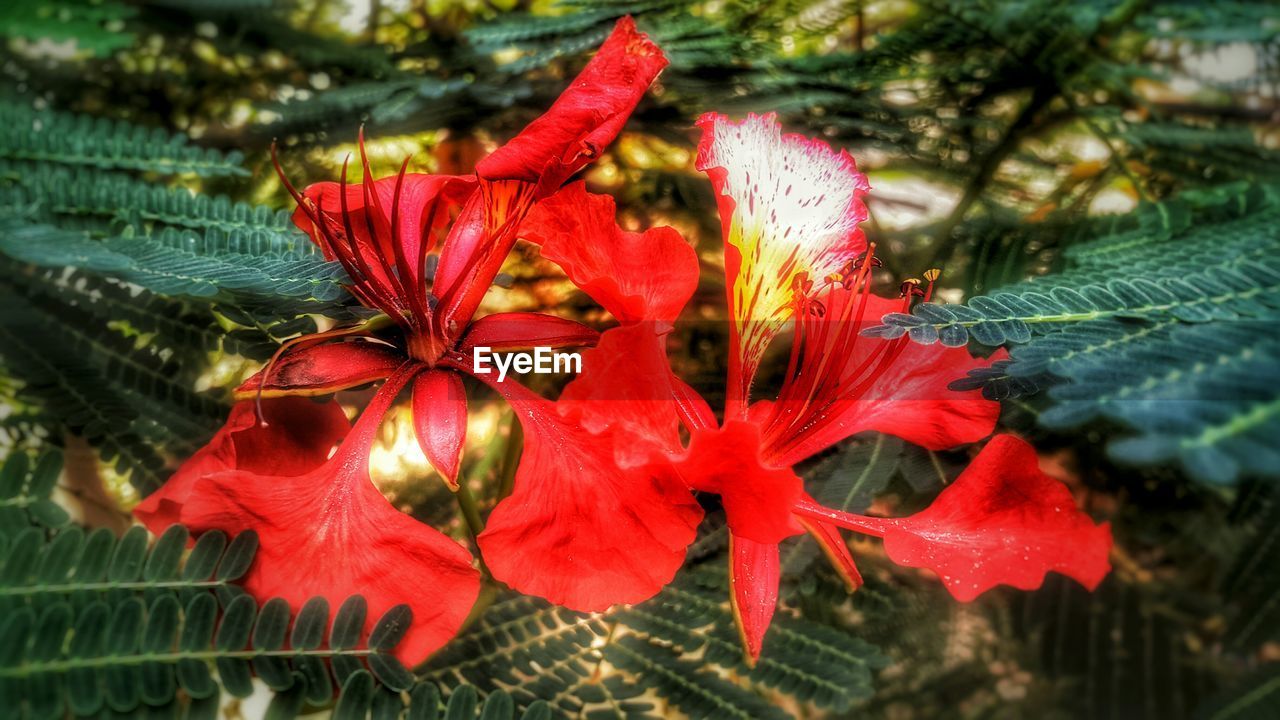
(864, 524)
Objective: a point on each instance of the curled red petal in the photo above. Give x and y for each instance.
(580, 529)
(758, 499)
(534, 164)
(1003, 521)
(585, 118)
(525, 330)
(635, 276)
(323, 369)
(754, 573)
(440, 420)
(330, 533)
(295, 438)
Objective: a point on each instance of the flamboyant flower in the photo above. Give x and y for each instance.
(794, 255)
(423, 250)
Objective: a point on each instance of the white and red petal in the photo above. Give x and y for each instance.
(788, 205)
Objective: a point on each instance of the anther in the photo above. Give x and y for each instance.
(932, 275)
(911, 287)
(801, 283)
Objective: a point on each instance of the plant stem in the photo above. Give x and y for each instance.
(510, 457)
(470, 511)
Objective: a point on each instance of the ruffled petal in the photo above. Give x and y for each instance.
(525, 330)
(905, 396)
(579, 529)
(440, 420)
(323, 369)
(626, 383)
(635, 276)
(295, 438)
(330, 533)
(585, 118)
(757, 498)
(788, 205)
(1002, 521)
(754, 573)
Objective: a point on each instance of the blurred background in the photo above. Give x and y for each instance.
(1095, 179)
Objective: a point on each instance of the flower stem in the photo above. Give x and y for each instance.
(470, 511)
(510, 457)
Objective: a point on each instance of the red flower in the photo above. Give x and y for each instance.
(794, 254)
(423, 250)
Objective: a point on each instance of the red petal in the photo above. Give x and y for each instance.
(757, 499)
(753, 574)
(910, 399)
(626, 382)
(525, 330)
(580, 530)
(296, 437)
(1001, 522)
(324, 369)
(535, 163)
(635, 276)
(330, 533)
(585, 118)
(440, 420)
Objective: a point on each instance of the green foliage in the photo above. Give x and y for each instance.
(93, 25)
(57, 138)
(165, 278)
(97, 624)
(536, 651)
(25, 489)
(1162, 322)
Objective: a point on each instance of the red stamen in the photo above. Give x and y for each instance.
(373, 284)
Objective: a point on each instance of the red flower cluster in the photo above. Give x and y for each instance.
(794, 255)
(603, 507)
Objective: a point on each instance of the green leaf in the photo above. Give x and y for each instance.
(238, 557)
(310, 624)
